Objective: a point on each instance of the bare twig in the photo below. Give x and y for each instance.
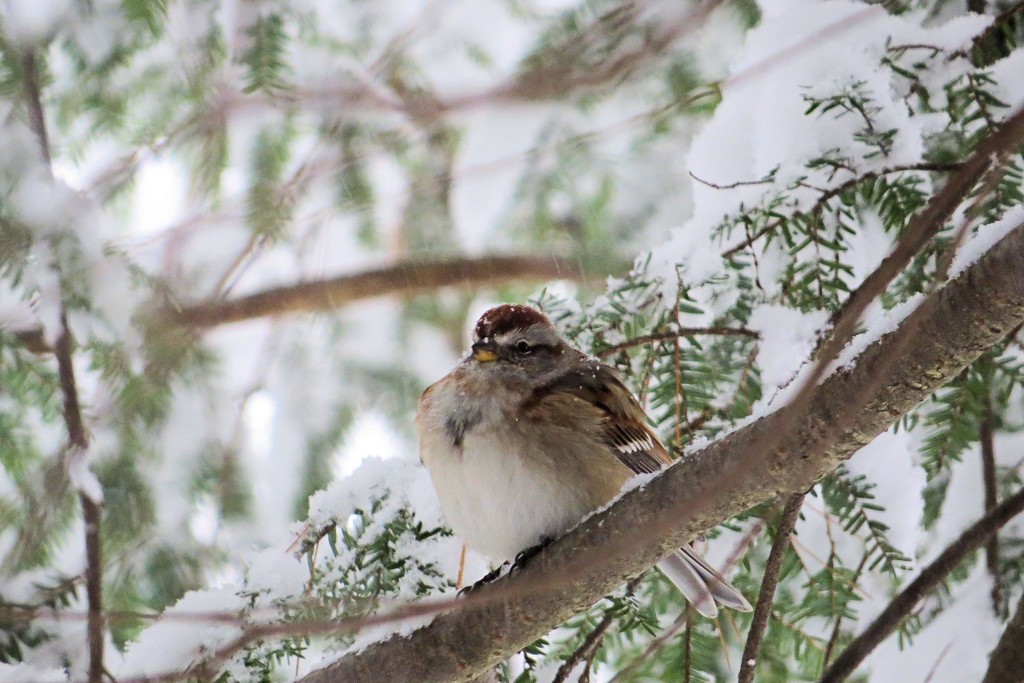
(731, 186)
(78, 438)
(929, 578)
(763, 608)
(592, 643)
(830, 194)
(988, 469)
(685, 617)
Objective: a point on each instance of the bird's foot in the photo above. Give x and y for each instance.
(506, 568)
(494, 574)
(524, 556)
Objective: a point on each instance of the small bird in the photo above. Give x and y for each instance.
(527, 435)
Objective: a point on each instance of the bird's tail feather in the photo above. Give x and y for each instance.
(700, 584)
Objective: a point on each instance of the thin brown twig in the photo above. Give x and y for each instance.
(766, 596)
(929, 578)
(573, 73)
(830, 194)
(730, 186)
(988, 469)
(688, 646)
(78, 438)
(592, 643)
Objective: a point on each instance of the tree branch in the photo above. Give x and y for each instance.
(403, 278)
(1007, 661)
(948, 331)
(573, 70)
(763, 608)
(988, 471)
(930, 577)
(591, 644)
(78, 438)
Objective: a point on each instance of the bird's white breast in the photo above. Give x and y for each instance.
(495, 490)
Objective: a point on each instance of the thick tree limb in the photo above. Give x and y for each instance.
(404, 278)
(949, 331)
(1006, 663)
(929, 578)
(400, 279)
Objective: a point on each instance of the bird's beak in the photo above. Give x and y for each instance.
(483, 351)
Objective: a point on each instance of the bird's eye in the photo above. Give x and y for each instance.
(523, 346)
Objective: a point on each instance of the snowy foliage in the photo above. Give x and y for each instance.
(264, 511)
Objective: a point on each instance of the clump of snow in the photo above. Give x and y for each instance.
(28, 673)
(373, 478)
(984, 238)
(277, 574)
(877, 323)
(32, 22)
(888, 462)
(83, 479)
(196, 626)
(788, 337)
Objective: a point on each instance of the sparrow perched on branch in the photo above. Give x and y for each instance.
(527, 435)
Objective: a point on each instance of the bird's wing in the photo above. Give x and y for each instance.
(623, 422)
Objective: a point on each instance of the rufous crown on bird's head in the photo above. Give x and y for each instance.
(508, 318)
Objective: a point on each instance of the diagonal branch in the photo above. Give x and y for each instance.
(988, 472)
(929, 578)
(763, 608)
(947, 332)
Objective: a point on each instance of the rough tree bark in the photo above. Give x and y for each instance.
(778, 454)
(1006, 663)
